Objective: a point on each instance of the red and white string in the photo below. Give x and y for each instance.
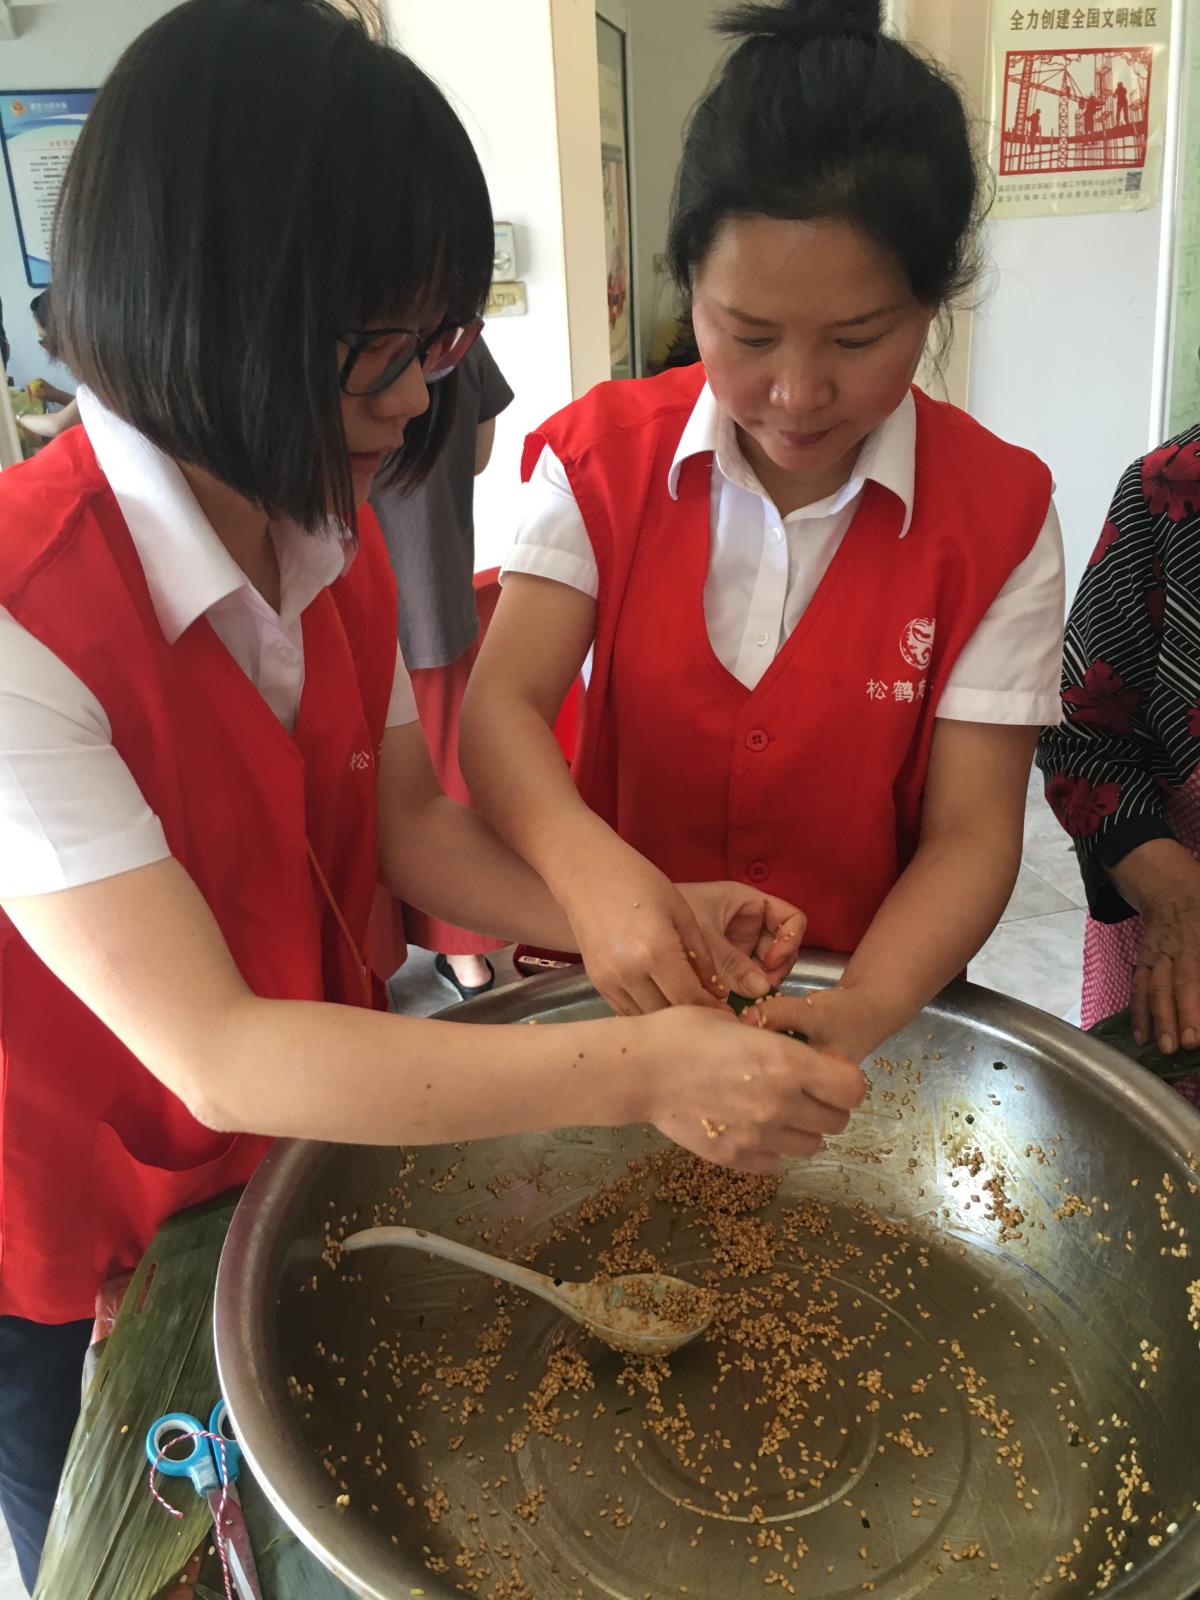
(222, 1504)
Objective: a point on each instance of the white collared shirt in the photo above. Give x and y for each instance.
(71, 811)
(764, 569)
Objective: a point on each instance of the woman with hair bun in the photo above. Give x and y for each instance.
(825, 611)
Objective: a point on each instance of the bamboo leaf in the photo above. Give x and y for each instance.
(109, 1540)
(1118, 1032)
(738, 1003)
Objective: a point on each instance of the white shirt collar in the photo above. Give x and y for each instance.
(188, 570)
(888, 457)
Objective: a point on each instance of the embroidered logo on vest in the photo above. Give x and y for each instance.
(916, 642)
(360, 761)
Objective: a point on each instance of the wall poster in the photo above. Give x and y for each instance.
(39, 128)
(1078, 101)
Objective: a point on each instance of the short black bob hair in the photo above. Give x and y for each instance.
(43, 320)
(819, 116)
(257, 178)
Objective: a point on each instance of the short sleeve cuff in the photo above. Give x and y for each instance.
(1118, 841)
(561, 566)
(1008, 707)
(402, 705)
(1105, 901)
(38, 869)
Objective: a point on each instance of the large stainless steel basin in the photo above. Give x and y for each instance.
(1014, 1215)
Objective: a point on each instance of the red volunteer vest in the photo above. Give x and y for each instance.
(809, 785)
(94, 1151)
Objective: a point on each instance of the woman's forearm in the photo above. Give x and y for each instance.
(532, 803)
(144, 952)
(940, 913)
(519, 779)
(490, 889)
(318, 1071)
(1151, 868)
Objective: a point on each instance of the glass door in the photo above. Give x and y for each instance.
(618, 219)
(1183, 397)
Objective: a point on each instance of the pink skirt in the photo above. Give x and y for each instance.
(1110, 950)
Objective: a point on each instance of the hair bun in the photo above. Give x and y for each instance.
(799, 21)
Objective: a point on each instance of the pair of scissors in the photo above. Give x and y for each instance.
(179, 1446)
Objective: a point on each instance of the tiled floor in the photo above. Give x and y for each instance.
(1034, 955)
(1036, 952)
(10, 1584)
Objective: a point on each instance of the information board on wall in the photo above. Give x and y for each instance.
(39, 128)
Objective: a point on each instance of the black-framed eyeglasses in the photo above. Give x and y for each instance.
(377, 357)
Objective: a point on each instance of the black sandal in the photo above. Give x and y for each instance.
(448, 975)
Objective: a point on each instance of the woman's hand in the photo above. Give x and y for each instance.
(847, 1021)
(1161, 880)
(303, 1069)
(41, 389)
(641, 941)
(754, 937)
(648, 943)
(743, 1097)
(1165, 994)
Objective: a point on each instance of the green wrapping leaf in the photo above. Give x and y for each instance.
(1118, 1032)
(286, 1570)
(738, 1003)
(109, 1540)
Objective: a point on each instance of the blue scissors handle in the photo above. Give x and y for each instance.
(220, 1426)
(176, 1446)
(169, 1448)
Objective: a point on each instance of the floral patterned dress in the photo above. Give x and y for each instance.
(1124, 766)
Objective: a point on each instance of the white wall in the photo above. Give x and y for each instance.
(1070, 349)
(581, 190)
(504, 88)
(63, 44)
(1062, 346)
(532, 144)
(1064, 359)
(528, 94)
(673, 54)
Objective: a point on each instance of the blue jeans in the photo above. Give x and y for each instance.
(41, 1369)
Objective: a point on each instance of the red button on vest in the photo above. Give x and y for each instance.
(757, 740)
(758, 871)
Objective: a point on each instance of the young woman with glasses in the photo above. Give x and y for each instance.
(273, 246)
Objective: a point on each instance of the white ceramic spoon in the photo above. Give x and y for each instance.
(645, 1313)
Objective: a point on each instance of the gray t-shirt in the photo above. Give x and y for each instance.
(430, 533)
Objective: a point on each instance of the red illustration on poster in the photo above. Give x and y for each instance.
(1076, 110)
